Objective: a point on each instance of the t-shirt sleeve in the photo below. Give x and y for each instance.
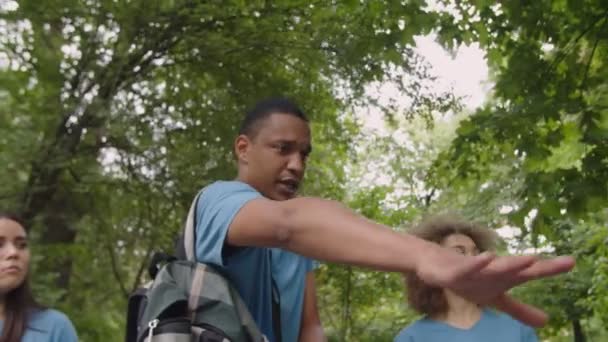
(216, 208)
(63, 330)
(311, 265)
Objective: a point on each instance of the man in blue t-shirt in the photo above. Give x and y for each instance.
(253, 270)
(261, 234)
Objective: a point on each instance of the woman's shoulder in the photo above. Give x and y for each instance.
(498, 315)
(48, 317)
(502, 318)
(53, 323)
(497, 318)
(410, 332)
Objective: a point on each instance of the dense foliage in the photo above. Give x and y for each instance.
(114, 113)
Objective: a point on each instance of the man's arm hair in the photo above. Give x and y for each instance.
(324, 230)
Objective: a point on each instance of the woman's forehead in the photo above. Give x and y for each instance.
(458, 240)
(10, 228)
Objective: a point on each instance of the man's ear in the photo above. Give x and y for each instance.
(241, 147)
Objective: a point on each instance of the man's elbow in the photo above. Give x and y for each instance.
(300, 216)
(285, 225)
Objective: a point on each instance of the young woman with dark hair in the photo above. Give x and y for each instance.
(22, 319)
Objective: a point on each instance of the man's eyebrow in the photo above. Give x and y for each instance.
(284, 141)
(292, 143)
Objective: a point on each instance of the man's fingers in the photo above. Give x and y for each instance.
(474, 265)
(510, 264)
(523, 312)
(546, 268)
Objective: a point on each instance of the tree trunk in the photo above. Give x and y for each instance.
(346, 306)
(57, 231)
(579, 334)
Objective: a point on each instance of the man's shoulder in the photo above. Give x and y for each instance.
(224, 188)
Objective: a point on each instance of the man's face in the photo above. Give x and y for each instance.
(275, 157)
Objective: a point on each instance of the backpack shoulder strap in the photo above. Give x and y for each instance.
(135, 306)
(188, 239)
(190, 229)
(186, 250)
(185, 241)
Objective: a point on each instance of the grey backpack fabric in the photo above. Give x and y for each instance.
(190, 301)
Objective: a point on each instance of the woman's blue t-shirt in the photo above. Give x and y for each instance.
(492, 326)
(48, 326)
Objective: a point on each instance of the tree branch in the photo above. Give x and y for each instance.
(588, 66)
(115, 270)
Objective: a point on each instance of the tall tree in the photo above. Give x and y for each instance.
(114, 113)
(545, 128)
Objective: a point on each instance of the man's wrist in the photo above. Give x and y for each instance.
(417, 252)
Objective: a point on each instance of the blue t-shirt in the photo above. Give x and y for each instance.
(492, 326)
(289, 272)
(48, 326)
(251, 269)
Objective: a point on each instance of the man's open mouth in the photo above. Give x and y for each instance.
(291, 185)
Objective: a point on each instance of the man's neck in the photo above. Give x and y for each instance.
(242, 178)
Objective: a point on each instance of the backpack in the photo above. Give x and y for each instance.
(188, 301)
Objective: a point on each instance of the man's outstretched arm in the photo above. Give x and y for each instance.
(327, 230)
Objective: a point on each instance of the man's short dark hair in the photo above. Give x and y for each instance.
(263, 109)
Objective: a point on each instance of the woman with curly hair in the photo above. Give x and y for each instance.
(447, 316)
(21, 318)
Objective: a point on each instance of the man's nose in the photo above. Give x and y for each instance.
(296, 164)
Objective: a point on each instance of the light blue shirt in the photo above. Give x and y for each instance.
(48, 326)
(251, 269)
(289, 271)
(492, 326)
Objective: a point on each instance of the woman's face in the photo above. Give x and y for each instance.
(14, 255)
(461, 243)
